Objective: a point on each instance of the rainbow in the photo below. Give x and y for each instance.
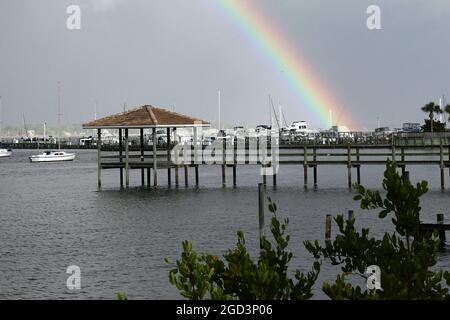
(277, 49)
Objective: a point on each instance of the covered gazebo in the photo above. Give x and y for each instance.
(145, 117)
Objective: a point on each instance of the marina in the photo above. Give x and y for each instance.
(228, 150)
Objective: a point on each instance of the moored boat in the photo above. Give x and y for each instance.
(52, 156)
(4, 152)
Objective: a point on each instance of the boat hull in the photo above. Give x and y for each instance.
(5, 153)
(53, 158)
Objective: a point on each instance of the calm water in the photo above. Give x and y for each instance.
(53, 216)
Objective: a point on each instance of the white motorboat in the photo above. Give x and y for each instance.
(4, 152)
(53, 156)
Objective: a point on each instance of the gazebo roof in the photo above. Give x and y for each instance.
(146, 117)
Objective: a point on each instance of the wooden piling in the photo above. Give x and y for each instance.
(224, 148)
(393, 149)
(315, 176)
(234, 161)
(328, 228)
(177, 178)
(148, 178)
(186, 176)
(196, 175)
(305, 168)
(358, 167)
(349, 167)
(441, 164)
(127, 160)
(273, 163)
(315, 167)
(155, 169)
(99, 158)
(261, 212)
(169, 175)
(405, 176)
(351, 215)
(264, 178)
(142, 155)
(121, 156)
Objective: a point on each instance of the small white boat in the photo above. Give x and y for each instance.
(5, 153)
(52, 156)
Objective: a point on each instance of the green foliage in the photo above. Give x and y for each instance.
(238, 276)
(405, 257)
(122, 296)
(437, 126)
(430, 125)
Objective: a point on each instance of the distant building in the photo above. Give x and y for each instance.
(411, 127)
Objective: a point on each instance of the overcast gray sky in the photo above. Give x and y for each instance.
(177, 53)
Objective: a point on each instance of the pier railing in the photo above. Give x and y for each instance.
(352, 157)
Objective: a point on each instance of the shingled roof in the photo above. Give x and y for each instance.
(145, 117)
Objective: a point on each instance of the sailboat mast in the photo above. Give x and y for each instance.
(59, 115)
(219, 106)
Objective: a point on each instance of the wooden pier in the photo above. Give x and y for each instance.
(252, 151)
(309, 157)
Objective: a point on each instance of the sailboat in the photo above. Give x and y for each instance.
(4, 152)
(54, 156)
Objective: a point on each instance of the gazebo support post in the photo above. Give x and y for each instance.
(155, 174)
(99, 156)
(120, 157)
(169, 176)
(177, 178)
(142, 156)
(127, 160)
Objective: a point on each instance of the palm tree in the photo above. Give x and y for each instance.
(447, 110)
(431, 108)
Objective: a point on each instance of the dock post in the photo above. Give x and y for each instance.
(148, 178)
(351, 215)
(449, 162)
(328, 228)
(349, 167)
(99, 157)
(177, 178)
(261, 212)
(196, 176)
(127, 160)
(142, 156)
(196, 161)
(315, 167)
(234, 161)
(120, 157)
(441, 164)
(305, 168)
(224, 147)
(405, 176)
(186, 176)
(358, 167)
(155, 173)
(315, 176)
(393, 148)
(402, 158)
(169, 175)
(442, 238)
(272, 162)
